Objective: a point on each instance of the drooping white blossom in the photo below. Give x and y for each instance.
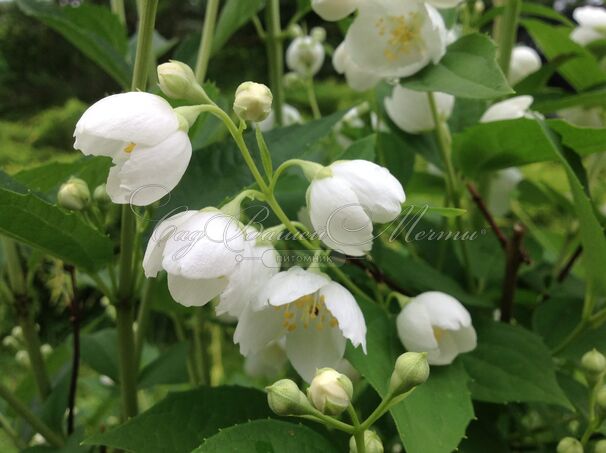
(509, 109)
(315, 315)
(145, 140)
(592, 24)
(344, 202)
(394, 38)
(410, 110)
(305, 56)
(438, 324)
(208, 254)
(333, 10)
(524, 61)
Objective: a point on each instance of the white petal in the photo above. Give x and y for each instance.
(590, 16)
(524, 61)
(286, 287)
(466, 339)
(152, 261)
(194, 292)
(446, 352)
(502, 185)
(338, 217)
(309, 349)
(444, 311)
(435, 34)
(333, 10)
(411, 112)
(357, 78)
(415, 329)
(256, 329)
(510, 109)
(585, 35)
(266, 363)
(305, 56)
(206, 246)
(378, 191)
(345, 309)
(115, 121)
(150, 172)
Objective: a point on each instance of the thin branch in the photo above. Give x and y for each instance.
(569, 264)
(514, 259)
(75, 321)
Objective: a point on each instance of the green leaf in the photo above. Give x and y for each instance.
(100, 352)
(169, 368)
(582, 72)
(511, 364)
(234, 15)
(434, 417)
(51, 229)
(468, 70)
(182, 421)
(266, 436)
(551, 104)
(93, 29)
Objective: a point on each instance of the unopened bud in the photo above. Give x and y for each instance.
(372, 443)
(594, 364)
(305, 56)
(479, 7)
(569, 445)
(253, 101)
(100, 195)
(411, 370)
(74, 195)
(330, 391)
(292, 80)
(10, 342)
(46, 349)
(600, 446)
(177, 81)
(22, 358)
(294, 31)
(285, 398)
(17, 332)
(318, 34)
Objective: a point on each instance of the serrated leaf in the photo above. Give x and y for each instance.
(468, 70)
(266, 436)
(182, 421)
(511, 364)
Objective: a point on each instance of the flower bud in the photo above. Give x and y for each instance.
(17, 332)
(46, 349)
(330, 391)
(479, 6)
(253, 101)
(593, 363)
(600, 446)
(100, 194)
(411, 370)
(285, 398)
(569, 445)
(22, 358)
(318, 34)
(372, 443)
(74, 195)
(10, 342)
(305, 56)
(294, 31)
(177, 81)
(292, 80)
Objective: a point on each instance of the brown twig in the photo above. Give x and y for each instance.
(377, 274)
(75, 321)
(569, 264)
(479, 201)
(514, 260)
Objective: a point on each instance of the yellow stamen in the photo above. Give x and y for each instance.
(438, 333)
(129, 148)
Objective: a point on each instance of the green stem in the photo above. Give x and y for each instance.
(194, 379)
(206, 41)
(265, 154)
(329, 421)
(22, 410)
(117, 7)
(147, 19)
(275, 54)
(358, 433)
(377, 413)
(570, 337)
(200, 353)
(13, 267)
(11, 433)
(313, 100)
(143, 317)
(508, 32)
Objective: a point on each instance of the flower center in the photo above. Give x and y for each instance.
(438, 333)
(307, 311)
(129, 148)
(402, 33)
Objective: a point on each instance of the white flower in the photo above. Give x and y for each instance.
(524, 61)
(344, 205)
(509, 109)
(592, 24)
(290, 116)
(357, 78)
(444, 3)
(502, 185)
(313, 313)
(438, 324)
(142, 134)
(268, 362)
(395, 38)
(206, 254)
(411, 112)
(584, 117)
(333, 10)
(305, 56)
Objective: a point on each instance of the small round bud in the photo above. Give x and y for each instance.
(294, 31)
(46, 349)
(74, 195)
(318, 34)
(17, 332)
(569, 445)
(10, 342)
(479, 7)
(22, 358)
(100, 195)
(600, 446)
(594, 364)
(330, 391)
(285, 398)
(253, 101)
(177, 81)
(411, 370)
(372, 443)
(292, 80)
